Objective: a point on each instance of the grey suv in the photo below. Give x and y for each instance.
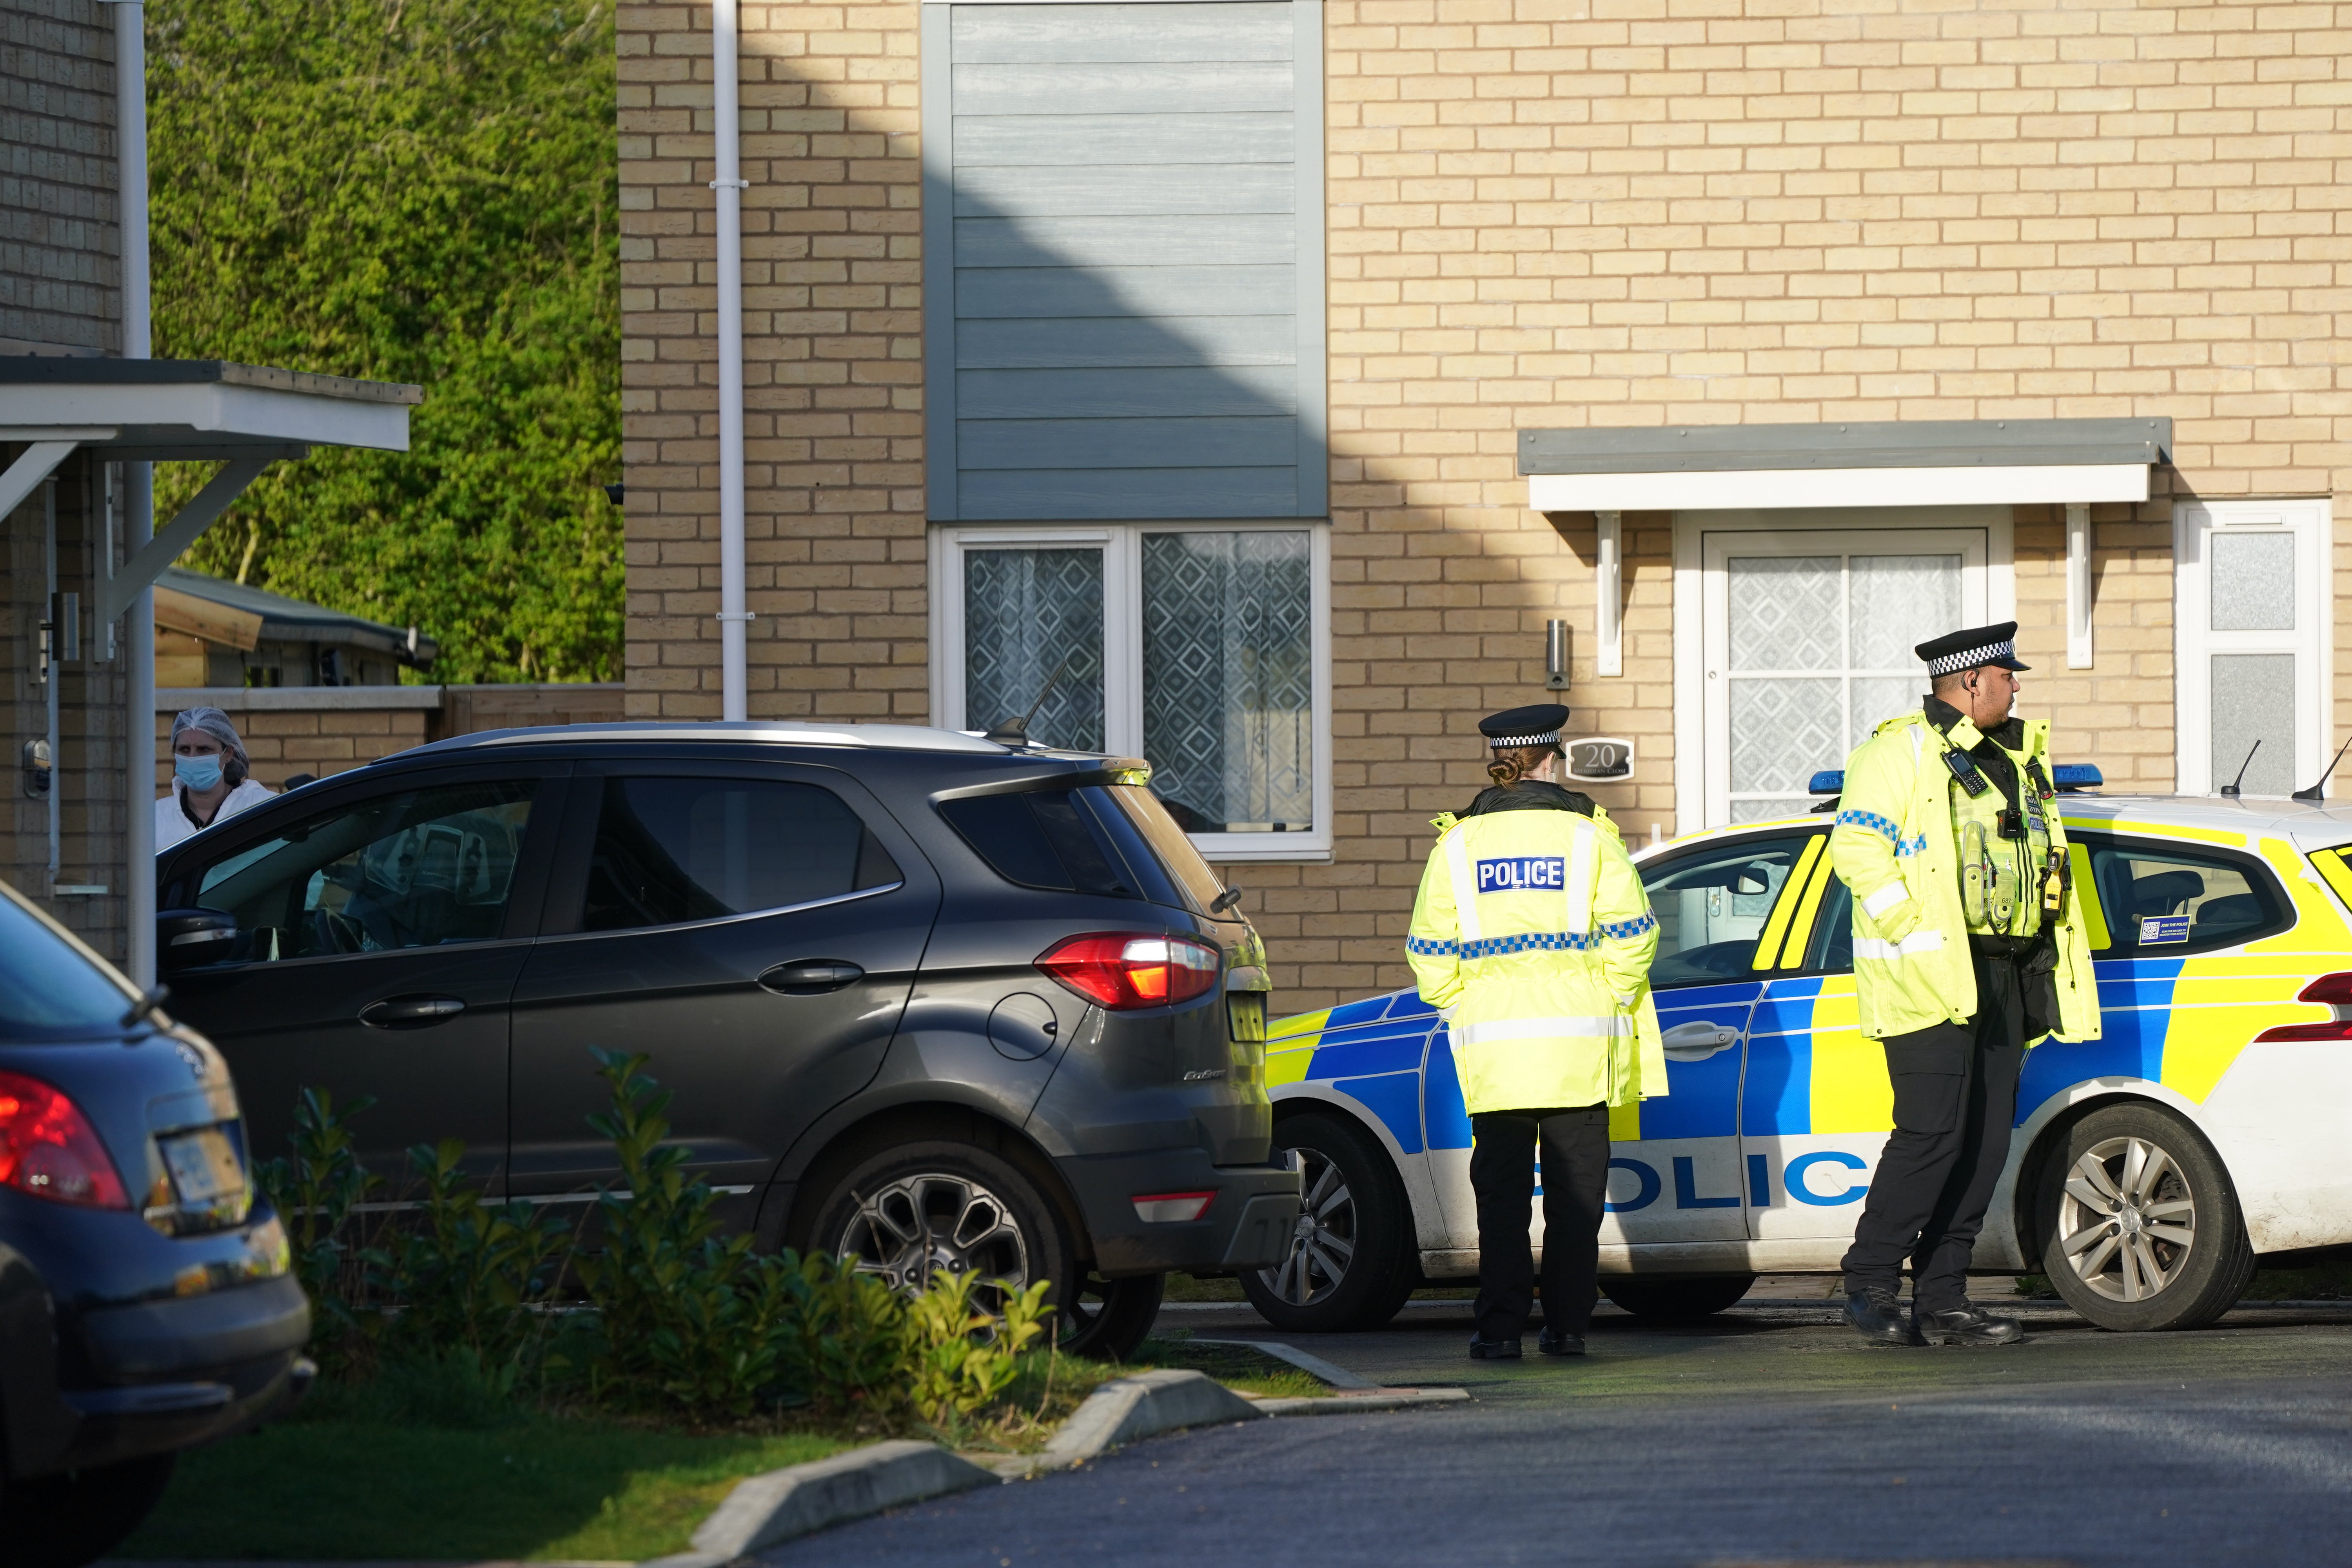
(921, 997)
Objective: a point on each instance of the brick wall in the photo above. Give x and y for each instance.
(57, 202)
(1547, 213)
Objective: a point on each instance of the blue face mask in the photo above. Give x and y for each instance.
(199, 774)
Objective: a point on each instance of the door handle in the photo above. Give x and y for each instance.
(410, 1011)
(1697, 1040)
(811, 976)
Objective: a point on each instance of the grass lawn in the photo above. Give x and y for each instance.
(539, 1487)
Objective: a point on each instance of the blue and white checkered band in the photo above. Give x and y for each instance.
(1498, 741)
(1969, 658)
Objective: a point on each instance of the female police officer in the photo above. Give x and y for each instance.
(1532, 936)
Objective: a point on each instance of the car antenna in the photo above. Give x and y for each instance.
(2318, 791)
(1014, 732)
(2230, 790)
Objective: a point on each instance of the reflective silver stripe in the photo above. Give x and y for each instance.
(1493, 1029)
(1885, 898)
(1582, 873)
(1917, 942)
(1465, 888)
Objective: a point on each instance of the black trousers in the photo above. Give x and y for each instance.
(1575, 1186)
(1955, 1099)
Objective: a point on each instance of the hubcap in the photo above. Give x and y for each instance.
(2127, 1219)
(1324, 1239)
(921, 1225)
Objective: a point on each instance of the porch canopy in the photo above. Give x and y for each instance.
(159, 410)
(1886, 463)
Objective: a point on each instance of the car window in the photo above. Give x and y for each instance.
(668, 850)
(1168, 845)
(2158, 900)
(49, 988)
(1039, 839)
(1711, 905)
(1829, 949)
(422, 868)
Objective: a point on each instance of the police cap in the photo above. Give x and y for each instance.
(1537, 725)
(1972, 649)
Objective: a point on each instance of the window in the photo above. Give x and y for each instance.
(669, 850)
(1202, 648)
(2154, 900)
(2251, 639)
(1712, 907)
(424, 867)
(1040, 838)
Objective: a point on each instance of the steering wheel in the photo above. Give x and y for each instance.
(331, 932)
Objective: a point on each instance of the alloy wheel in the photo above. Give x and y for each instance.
(921, 1224)
(1323, 1240)
(2128, 1219)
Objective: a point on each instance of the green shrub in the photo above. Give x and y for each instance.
(962, 1357)
(471, 1278)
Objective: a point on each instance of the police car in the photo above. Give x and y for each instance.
(2149, 1169)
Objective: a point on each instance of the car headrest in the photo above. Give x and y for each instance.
(2166, 892)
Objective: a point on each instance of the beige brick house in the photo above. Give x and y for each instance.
(1273, 371)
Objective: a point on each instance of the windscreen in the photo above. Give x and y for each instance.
(49, 990)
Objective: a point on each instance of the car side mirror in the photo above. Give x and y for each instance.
(1751, 881)
(186, 938)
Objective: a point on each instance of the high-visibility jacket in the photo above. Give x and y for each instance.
(1896, 844)
(1532, 935)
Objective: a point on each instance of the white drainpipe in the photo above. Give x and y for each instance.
(139, 492)
(727, 136)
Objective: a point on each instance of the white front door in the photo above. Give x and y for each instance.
(1806, 646)
(2250, 629)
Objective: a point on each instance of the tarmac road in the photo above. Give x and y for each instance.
(1769, 1435)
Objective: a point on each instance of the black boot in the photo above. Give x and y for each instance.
(1879, 1318)
(1969, 1325)
(1561, 1344)
(1483, 1348)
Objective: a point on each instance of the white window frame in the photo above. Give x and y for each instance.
(2311, 520)
(1122, 547)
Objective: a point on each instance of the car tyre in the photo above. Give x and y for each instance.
(2139, 1222)
(1352, 1261)
(910, 1209)
(64, 1522)
(1672, 1300)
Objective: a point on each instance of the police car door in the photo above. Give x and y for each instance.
(1676, 1174)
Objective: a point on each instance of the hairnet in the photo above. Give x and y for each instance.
(235, 764)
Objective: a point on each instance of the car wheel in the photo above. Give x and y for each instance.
(1106, 1319)
(1669, 1301)
(64, 1522)
(1352, 1261)
(905, 1213)
(2141, 1223)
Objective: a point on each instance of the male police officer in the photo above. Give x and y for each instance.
(1532, 935)
(1968, 947)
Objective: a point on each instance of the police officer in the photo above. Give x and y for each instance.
(1532, 936)
(1968, 947)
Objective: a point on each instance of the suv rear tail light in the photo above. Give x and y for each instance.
(1125, 970)
(1171, 1209)
(2332, 990)
(48, 1149)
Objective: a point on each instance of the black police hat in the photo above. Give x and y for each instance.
(1537, 725)
(1972, 650)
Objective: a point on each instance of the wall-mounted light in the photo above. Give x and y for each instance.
(1555, 656)
(36, 770)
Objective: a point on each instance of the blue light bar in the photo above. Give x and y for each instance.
(1829, 781)
(2076, 775)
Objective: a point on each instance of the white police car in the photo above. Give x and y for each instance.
(2149, 1170)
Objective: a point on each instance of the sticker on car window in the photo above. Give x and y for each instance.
(2156, 930)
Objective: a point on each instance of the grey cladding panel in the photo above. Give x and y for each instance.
(1058, 291)
(1263, 443)
(1125, 139)
(1134, 340)
(1141, 89)
(1121, 194)
(1027, 33)
(1126, 393)
(1871, 444)
(1241, 240)
(1111, 190)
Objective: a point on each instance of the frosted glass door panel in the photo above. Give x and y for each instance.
(1033, 619)
(2253, 583)
(2254, 699)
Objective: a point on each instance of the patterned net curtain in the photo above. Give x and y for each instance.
(1821, 656)
(1228, 679)
(1028, 614)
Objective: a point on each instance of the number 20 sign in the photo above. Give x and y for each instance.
(1600, 758)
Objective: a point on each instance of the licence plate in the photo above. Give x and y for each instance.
(203, 1165)
(1246, 1009)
